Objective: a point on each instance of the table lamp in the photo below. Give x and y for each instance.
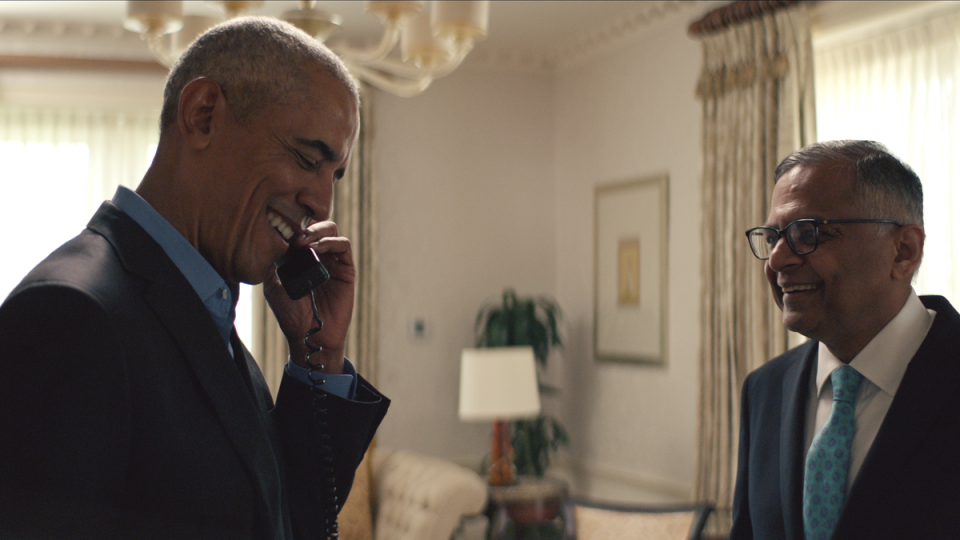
(499, 384)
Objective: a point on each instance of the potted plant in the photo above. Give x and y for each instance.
(526, 321)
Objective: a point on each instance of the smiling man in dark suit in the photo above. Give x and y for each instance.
(129, 407)
(855, 433)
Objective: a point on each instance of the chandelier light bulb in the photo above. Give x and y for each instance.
(420, 47)
(154, 18)
(236, 8)
(396, 10)
(315, 22)
(460, 20)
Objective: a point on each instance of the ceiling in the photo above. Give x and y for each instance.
(535, 33)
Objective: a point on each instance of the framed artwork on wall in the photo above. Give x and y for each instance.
(630, 271)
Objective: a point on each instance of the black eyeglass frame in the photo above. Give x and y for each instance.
(816, 229)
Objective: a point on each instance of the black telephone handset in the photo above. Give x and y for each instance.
(300, 272)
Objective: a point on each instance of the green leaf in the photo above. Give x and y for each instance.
(540, 342)
(529, 321)
(533, 441)
(496, 333)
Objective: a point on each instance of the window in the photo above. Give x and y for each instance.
(59, 166)
(36, 220)
(899, 88)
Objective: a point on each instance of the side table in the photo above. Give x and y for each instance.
(532, 503)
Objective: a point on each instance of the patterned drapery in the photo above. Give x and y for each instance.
(757, 95)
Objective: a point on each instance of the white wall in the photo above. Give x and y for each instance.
(630, 114)
(466, 207)
(487, 180)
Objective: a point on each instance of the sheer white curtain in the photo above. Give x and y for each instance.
(58, 165)
(901, 89)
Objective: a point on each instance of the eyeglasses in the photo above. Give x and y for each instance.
(802, 235)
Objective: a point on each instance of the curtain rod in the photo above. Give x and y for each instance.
(734, 13)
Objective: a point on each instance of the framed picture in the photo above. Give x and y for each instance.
(630, 271)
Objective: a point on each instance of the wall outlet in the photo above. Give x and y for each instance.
(418, 328)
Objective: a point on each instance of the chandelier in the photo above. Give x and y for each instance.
(431, 44)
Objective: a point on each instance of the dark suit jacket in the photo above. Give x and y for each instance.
(909, 483)
(124, 416)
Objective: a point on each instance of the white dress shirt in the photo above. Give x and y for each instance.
(882, 363)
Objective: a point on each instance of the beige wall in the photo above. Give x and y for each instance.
(466, 205)
(631, 114)
(487, 181)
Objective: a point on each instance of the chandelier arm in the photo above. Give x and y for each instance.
(401, 88)
(389, 39)
(407, 71)
(397, 68)
(159, 50)
(436, 56)
(463, 49)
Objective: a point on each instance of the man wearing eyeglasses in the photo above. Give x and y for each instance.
(855, 434)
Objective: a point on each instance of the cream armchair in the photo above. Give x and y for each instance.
(410, 496)
(420, 497)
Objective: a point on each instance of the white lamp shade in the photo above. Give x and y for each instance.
(498, 384)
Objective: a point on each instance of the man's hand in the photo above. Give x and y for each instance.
(334, 300)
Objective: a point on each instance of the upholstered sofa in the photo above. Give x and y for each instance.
(403, 495)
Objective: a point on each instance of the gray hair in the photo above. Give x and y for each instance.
(886, 186)
(256, 61)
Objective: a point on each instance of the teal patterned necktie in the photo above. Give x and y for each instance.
(828, 461)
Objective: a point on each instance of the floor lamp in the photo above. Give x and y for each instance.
(499, 384)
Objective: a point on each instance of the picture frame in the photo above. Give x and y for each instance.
(630, 270)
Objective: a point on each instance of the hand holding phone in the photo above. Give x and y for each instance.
(300, 271)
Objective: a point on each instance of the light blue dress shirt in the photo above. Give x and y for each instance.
(219, 297)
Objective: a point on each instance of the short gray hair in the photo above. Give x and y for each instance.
(256, 61)
(885, 185)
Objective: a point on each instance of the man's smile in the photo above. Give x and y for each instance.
(280, 225)
(787, 289)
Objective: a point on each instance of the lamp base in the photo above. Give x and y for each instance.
(501, 471)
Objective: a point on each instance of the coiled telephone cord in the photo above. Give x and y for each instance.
(329, 498)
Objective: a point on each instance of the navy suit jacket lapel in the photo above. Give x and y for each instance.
(179, 309)
(793, 422)
(915, 411)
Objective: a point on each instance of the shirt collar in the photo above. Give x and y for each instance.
(885, 358)
(202, 277)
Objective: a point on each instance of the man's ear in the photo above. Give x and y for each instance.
(199, 101)
(909, 243)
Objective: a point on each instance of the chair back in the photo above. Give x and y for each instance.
(594, 520)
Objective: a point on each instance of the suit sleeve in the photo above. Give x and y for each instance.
(349, 429)
(65, 416)
(742, 524)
